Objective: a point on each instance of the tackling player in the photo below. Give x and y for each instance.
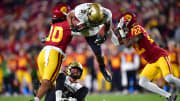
(93, 20)
(132, 34)
(51, 56)
(67, 86)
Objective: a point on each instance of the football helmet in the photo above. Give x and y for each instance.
(95, 14)
(127, 19)
(60, 11)
(74, 73)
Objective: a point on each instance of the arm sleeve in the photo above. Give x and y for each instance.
(114, 38)
(60, 81)
(81, 94)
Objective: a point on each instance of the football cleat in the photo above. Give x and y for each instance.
(107, 75)
(172, 97)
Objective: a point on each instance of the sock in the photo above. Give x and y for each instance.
(171, 79)
(36, 99)
(145, 83)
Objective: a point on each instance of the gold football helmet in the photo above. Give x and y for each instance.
(75, 65)
(95, 14)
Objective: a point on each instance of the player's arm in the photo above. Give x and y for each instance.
(105, 29)
(81, 94)
(60, 81)
(69, 17)
(131, 41)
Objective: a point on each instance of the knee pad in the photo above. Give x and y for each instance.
(169, 78)
(143, 80)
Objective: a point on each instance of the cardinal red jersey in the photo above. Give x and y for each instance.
(146, 47)
(59, 35)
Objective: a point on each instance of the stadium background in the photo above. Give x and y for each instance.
(23, 23)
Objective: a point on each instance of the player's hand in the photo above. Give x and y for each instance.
(74, 28)
(43, 40)
(100, 39)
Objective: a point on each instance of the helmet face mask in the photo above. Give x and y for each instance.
(75, 70)
(128, 20)
(95, 14)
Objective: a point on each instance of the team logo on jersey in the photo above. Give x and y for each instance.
(83, 11)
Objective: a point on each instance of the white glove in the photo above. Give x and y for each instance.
(58, 95)
(122, 33)
(122, 27)
(72, 99)
(121, 23)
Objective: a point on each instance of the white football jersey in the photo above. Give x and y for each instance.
(81, 14)
(72, 87)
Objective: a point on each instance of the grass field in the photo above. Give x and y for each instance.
(104, 97)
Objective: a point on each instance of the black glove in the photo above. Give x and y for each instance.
(100, 39)
(74, 28)
(43, 40)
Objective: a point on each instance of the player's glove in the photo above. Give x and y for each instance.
(43, 40)
(122, 28)
(100, 39)
(74, 28)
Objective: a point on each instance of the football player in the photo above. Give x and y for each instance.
(67, 86)
(132, 34)
(51, 56)
(94, 23)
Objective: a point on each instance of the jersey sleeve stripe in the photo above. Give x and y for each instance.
(168, 63)
(57, 68)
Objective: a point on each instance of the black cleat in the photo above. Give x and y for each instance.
(172, 97)
(107, 75)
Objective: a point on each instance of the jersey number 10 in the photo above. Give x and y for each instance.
(56, 34)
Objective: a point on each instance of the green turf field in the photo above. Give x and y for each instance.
(104, 97)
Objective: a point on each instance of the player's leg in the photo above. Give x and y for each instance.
(147, 75)
(167, 71)
(97, 51)
(20, 79)
(50, 71)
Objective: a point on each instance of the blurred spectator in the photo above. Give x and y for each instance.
(23, 72)
(130, 62)
(90, 83)
(173, 54)
(115, 60)
(10, 79)
(1, 73)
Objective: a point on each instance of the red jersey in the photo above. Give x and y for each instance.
(146, 47)
(59, 35)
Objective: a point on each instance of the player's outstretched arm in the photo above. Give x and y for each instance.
(131, 41)
(69, 17)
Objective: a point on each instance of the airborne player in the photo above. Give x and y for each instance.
(132, 34)
(94, 24)
(51, 56)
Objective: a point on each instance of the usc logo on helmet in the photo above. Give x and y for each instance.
(63, 9)
(128, 17)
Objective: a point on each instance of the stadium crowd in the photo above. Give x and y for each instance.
(23, 23)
